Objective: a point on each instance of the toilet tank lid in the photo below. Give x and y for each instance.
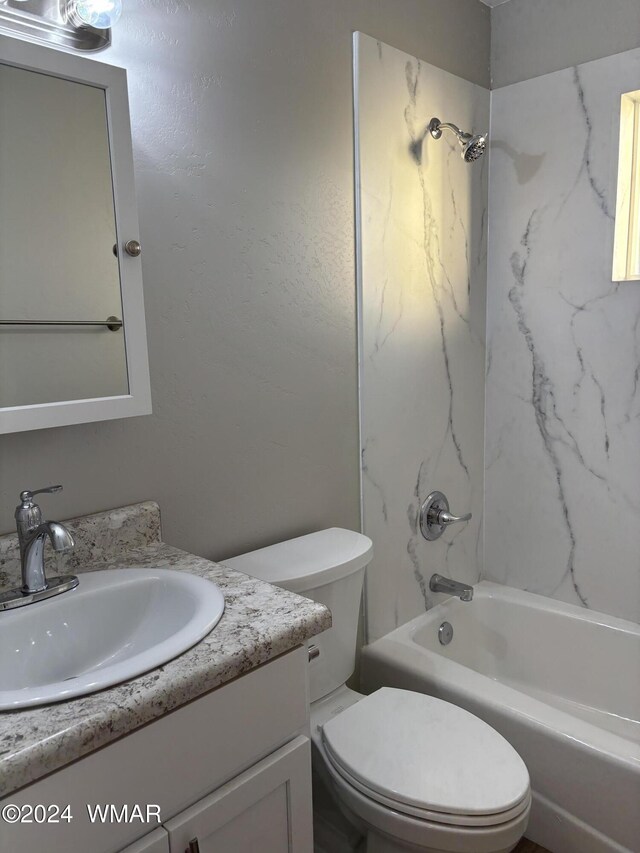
(308, 561)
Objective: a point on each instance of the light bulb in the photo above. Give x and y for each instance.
(100, 14)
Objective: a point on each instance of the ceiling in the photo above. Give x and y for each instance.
(493, 3)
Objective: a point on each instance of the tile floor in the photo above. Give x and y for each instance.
(527, 846)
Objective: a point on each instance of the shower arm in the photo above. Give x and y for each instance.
(436, 127)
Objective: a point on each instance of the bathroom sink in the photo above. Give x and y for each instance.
(114, 626)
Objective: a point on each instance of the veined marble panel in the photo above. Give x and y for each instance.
(563, 397)
(422, 287)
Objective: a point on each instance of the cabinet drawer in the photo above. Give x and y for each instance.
(266, 808)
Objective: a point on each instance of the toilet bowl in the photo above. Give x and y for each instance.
(408, 771)
(416, 773)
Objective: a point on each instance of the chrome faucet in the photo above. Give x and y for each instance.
(32, 534)
(32, 531)
(438, 583)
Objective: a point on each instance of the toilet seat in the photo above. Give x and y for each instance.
(429, 816)
(427, 759)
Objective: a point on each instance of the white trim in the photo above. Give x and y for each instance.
(113, 81)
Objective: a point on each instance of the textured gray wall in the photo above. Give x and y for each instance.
(242, 123)
(534, 37)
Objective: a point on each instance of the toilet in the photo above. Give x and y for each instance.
(409, 772)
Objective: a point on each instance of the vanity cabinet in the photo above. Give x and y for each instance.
(231, 769)
(267, 808)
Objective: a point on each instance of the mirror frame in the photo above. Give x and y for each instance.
(113, 80)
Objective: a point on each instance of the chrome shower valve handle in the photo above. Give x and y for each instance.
(435, 516)
(444, 517)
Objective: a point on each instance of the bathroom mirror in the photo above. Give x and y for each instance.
(72, 331)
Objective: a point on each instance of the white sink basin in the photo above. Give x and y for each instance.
(114, 626)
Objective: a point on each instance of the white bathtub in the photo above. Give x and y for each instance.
(562, 684)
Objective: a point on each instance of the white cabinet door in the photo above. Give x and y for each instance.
(267, 808)
(156, 842)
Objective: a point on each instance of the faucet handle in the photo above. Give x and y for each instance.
(435, 516)
(445, 517)
(27, 496)
(27, 514)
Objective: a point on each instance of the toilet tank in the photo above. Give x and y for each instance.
(328, 567)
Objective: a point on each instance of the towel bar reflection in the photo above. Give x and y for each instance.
(111, 323)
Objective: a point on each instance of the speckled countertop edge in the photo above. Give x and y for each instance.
(260, 622)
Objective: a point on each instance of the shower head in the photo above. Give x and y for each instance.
(473, 146)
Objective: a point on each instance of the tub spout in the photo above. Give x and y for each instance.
(438, 583)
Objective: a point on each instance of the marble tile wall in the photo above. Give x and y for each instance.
(422, 285)
(563, 359)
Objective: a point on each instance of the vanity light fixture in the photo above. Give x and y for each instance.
(78, 25)
(99, 14)
(626, 249)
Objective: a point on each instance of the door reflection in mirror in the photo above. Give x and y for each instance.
(57, 234)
